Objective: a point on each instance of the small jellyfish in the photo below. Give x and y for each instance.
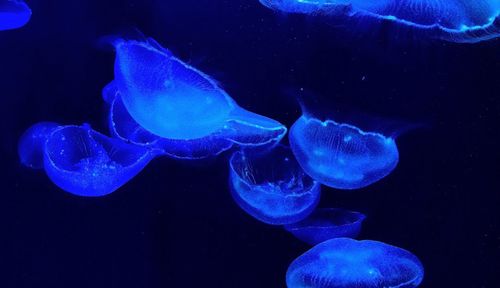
(84, 162)
(13, 14)
(348, 263)
(342, 156)
(450, 20)
(272, 187)
(32, 144)
(327, 223)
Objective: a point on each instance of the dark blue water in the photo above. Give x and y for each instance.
(176, 225)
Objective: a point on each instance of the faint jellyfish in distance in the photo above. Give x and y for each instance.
(13, 14)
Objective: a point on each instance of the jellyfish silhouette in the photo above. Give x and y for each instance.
(271, 186)
(84, 162)
(13, 14)
(342, 156)
(32, 144)
(346, 263)
(327, 223)
(450, 20)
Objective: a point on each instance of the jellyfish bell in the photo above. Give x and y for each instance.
(13, 14)
(327, 223)
(84, 162)
(344, 262)
(32, 144)
(271, 186)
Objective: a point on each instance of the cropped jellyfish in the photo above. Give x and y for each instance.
(32, 144)
(158, 101)
(271, 186)
(450, 20)
(342, 156)
(84, 162)
(348, 263)
(327, 223)
(13, 14)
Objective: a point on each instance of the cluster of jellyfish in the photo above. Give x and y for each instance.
(161, 106)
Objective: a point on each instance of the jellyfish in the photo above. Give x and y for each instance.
(327, 223)
(342, 156)
(271, 186)
(449, 20)
(346, 263)
(32, 144)
(13, 14)
(84, 162)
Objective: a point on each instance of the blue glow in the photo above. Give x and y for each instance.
(451, 20)
(241, 128)
(348, 263)
(272, 187)
(84, 162)
(340, 155)
(32, 144)
(13, 14)
(327, 223)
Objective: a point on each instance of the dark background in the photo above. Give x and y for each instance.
(175, 224)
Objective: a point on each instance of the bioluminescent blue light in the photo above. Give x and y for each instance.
(271, 186)
(242, 128)
(32, 144)
(13, 14)
(451, 20)
(348, 263)
(327, 223)
(84, 162)
(342, 156)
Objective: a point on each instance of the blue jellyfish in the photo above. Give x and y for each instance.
(342, 156)
(327, 223)
(13, 14)
(450, 20)
(271, 186)
(348, 263)
(32, 144)
(84, 162)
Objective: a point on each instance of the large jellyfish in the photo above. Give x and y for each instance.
(342, 156)
(32, 144)
(271, 186)
(84, 162)
(13, 14)
(160, 102)
(327, 223)
(450, 20)
(348, 263)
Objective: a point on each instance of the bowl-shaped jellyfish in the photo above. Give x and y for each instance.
(327, 223)
(342, 156)
(32, 144)
(271, 186)
(242, 128)
(450, 20)
(13, 14)
(348, 263)
(84, 162)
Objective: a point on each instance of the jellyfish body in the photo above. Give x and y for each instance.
(451, 20)
(13, 14)
(84, 162)
(32, 144)
(327, 223)
(271, 186)
(346, 263)
(342, 156)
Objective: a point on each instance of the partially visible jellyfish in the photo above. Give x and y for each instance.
(13, 14)
(84, 162)
(327, 223)
(450, 20)
(271, 186)
(348, 263)
(342, 156)
(32, 144)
